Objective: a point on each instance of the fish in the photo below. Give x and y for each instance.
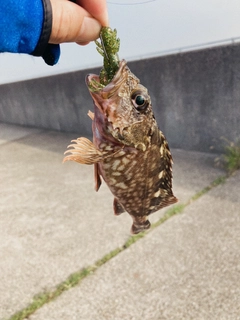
(129, 152)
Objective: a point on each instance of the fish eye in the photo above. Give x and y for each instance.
(140, 100)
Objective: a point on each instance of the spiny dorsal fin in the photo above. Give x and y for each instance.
(83, 152)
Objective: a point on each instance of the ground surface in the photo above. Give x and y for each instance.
(53, 224)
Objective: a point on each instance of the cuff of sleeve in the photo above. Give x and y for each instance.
(49, 52)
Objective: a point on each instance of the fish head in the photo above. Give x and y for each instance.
(123, 108)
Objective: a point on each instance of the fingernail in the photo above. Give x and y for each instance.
(90, 30)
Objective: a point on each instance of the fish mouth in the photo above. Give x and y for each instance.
(106, 92)
(109, 111)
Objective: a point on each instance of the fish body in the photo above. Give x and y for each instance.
(128, 150)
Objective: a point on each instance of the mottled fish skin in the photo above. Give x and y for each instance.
(128, 151)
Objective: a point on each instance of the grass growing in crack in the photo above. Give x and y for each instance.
(230, 160)
(232, 157)
(45, 297)
(177, 209)
(214, 184)
(75, 278)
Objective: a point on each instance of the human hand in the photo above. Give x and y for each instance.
(78, 22)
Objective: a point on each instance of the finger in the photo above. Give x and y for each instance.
(72, 23)
(97, 8)
(82, 43)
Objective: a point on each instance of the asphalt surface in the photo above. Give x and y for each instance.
(53, 223)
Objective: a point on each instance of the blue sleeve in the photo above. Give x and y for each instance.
(25, 27)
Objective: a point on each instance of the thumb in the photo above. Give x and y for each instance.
(72, 23)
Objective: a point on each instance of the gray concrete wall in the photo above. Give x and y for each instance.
(195, 97)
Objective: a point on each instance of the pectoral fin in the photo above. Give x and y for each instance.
(83, 151)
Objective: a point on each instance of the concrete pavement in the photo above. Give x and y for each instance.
(53, 223)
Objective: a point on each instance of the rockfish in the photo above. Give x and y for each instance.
(128, 150)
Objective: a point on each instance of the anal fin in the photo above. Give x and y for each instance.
(117, 207)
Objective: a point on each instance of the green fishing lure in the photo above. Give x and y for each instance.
(108, 47)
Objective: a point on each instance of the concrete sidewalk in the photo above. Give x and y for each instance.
(53, 224)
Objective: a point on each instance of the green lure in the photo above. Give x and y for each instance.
(108, 48)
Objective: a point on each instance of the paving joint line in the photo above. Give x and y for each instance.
(75, 278)
(21, 138)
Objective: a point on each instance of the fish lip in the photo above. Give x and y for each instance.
(90, 77)
(109, 90)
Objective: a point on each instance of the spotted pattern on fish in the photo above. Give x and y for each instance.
(128, 150)
(141, 186)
